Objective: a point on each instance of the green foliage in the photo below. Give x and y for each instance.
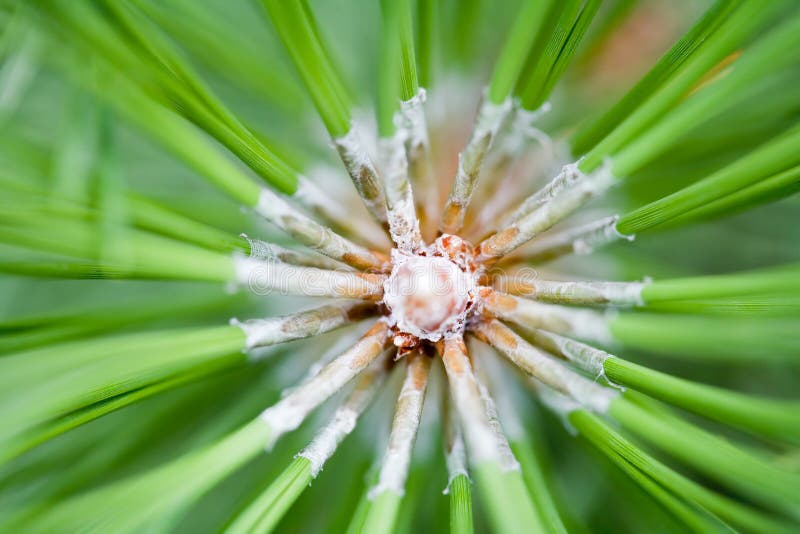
(298, 30)
(264, 513)
(461, 505)
(728, 29)
(134, 132)
(567, 23)
(748, 473)
(506, 500)
(521, 39)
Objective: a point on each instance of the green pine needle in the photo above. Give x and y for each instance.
(506, 500)
(145, 144)
(263, 514)
(768, 417)
(298, 30)
(746, 473)
(460, 505)
(529, 21)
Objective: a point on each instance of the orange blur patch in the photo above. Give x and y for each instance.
(498, 241)
(366, 353)
(450, 218)
(378, 330)
(370, 345)
(500, 302)
(480, 334)
(454, 355)
(627, 53)
(384, 258)
(502, 335)
(376, 279)
(484, 279)
(358, 261)
(419, 374)
(716, 72)
(517, 287)
(349, 291)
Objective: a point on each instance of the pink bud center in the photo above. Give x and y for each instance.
(428, 296)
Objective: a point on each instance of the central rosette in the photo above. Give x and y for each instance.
(430, 294)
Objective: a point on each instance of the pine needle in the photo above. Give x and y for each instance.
(593, 131)
(744, 472)
(569, 20)
(297, 29)
(460, 505)
(771, 158)
(619, 448)
(768, 417)
(710, 338)
(727, 31)
(130, 405)
(264, 514)
(527, 26)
